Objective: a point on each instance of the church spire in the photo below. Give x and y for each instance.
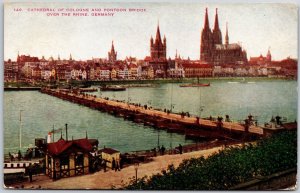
(226, 36)
(112, 47)
(157, 37)
(216, 27)
(206, 22)
(18, 57)
(112, 55)
(217, 35)
(269, 56)
(159, 46)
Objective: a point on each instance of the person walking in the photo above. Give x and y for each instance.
(163, 150)
(117, 166)
(180, 148)
(30, 174)
(104, 165)
(113, 164)
(121, 164)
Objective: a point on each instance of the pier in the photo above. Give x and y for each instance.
(21, 88)
(190, 126)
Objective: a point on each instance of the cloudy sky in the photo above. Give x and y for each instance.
(256, 27)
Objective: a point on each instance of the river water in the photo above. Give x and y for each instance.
(41, 112)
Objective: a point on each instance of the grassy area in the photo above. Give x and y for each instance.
(228, 167)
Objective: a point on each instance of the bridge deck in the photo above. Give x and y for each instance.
(232, 126)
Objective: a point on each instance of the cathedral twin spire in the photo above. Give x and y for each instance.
(213, 51)
(206, 21)
(216, 32)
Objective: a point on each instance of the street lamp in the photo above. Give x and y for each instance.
(200, 111)
(136, 167)
(158, 138)
(20, 128)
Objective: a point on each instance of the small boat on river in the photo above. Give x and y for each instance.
(195, 85)
(112, 88)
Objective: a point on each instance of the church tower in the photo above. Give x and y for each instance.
(158, 48)
(217, 35)
(18, 57)
(226, 36)
(112, 55)
(269, 56)
(206, 41)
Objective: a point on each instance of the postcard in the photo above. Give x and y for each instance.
(150, 96)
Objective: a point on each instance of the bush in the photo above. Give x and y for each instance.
(228, 167)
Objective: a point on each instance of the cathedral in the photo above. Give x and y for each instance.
(213, 51)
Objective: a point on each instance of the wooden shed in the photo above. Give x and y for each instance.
(108, 154)
(68, 158)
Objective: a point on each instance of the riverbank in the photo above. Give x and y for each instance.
(180, 80)
(144, 81)
(112, 179)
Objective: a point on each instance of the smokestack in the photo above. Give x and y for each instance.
(66, 132)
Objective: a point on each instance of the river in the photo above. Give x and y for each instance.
(40, 112)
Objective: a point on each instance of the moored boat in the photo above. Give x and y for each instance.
(195, 85)
(112, 88)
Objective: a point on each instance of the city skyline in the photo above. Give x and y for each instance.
(90, 37)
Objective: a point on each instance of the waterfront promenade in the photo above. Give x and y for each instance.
(112, 179)
(125, 109)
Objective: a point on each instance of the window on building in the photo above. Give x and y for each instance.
(79, 159)
(49, 162)
(64, 162)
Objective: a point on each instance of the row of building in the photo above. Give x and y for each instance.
(216, 59)
(133, 69)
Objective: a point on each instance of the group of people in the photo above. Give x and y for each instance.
(15, 156)
(162, 149)
(116, 165)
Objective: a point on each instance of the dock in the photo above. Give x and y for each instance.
(190, 126)
(21, 88)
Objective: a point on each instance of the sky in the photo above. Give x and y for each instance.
(257, 27)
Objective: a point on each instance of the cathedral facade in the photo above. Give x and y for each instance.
(212, 49)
